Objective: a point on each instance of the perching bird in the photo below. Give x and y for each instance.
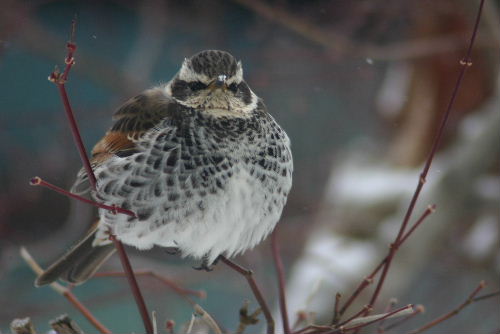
(200, 161)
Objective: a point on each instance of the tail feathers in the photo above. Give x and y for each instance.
(79, 263)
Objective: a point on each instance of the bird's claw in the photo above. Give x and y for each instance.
(172, 250)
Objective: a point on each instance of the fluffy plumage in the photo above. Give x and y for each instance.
(201, 162)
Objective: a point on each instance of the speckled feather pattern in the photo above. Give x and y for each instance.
(207, 185)
(208, 172)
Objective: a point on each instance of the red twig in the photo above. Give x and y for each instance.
(365, 308)
(465, 62)
(418, 310)
(170, 326)
(430, 209)
(281, 281)
(316, 328)
(141, 305)
(450, 314)
(345, 328)
(65, 292)
(355, 328)
(60, 80)
(301, 316)
(86, 312)
(486, 296)
(171, 284)
(37, 181)
(248, 274)
(336, 313)
(369, 279)
(390, 306)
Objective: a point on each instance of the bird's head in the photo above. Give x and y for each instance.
(212, 80)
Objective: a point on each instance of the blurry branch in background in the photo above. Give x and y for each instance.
(405, 229)
(145, 51)
(465, 62)
(207, 318)
(357, 322)
(168, 282)
(341, 46)
(419, 309)
(280, 273)
(60, 289)
(452, 313)
(369, 279)
(36, 38)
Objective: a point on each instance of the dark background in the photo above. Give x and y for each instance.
(354, 83)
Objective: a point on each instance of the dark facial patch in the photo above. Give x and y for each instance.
(244, 92)
(213, 63)
(180, 89)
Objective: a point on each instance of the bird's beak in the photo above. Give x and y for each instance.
(220, 82)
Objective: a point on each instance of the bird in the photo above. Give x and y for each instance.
(201, 162)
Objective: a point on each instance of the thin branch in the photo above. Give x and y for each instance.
(369, 279)
(60, 289)
(154, 322)
(316, 328)
(170, 326)
(301, 317)
(359, 323)
(336, 313)
(340, 46)
(248, 274)
(136, 292)
(465, 63)
(207, 318)
(365, 308)
(60, 80)
(430, 209)
(280, 271)
(390, 306)
(419, 309)
(486, 296)
(38, 181)
(364, 283)
(452, 313)
(168, 282)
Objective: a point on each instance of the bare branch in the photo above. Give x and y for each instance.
(65, 292)
(452, 313)
(248, 274)
(280, 271)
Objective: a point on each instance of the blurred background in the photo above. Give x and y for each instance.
(360, 87)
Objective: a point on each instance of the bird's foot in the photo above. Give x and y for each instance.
(172, 250)
(205, 265)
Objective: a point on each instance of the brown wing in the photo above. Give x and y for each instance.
(137, 116)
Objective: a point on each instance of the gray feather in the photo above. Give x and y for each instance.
(79, 263)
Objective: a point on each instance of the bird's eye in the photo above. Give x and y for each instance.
(197, 85)
(233, 87)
